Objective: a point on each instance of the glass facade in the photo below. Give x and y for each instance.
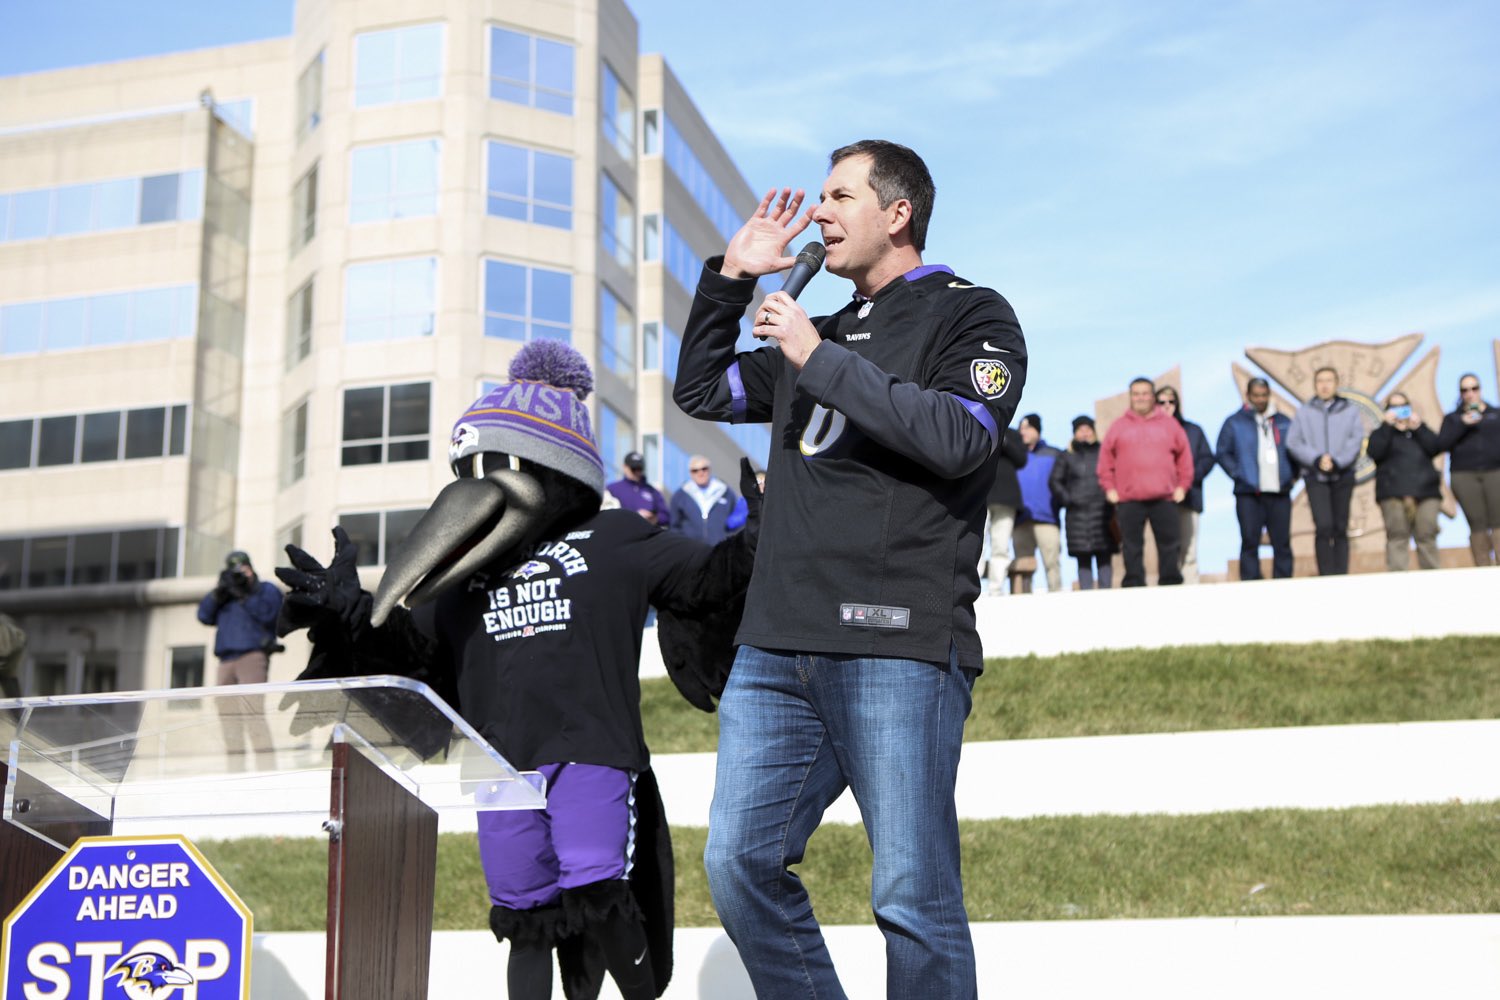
(293, 444)
(386, 423)
(536, 72)
(523, 303)
(380, 534)
(305, 209)
(681, 260)
(616, 223)
(390, 300)
(616, 438)
(700, 184)
(133, 317)
(398, 65)
(101, 206)
(124, 555)
(528, 185)
(616, 336)
(150, 432)
(394, 181)
(310, 98)
(299, 322)
(616, 113)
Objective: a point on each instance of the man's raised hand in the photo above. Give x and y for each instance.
(759, 248)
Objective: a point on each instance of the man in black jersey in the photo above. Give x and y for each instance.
(858, 647)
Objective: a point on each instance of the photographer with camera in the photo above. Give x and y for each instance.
(1471, 436)
(244, 608)
(1407, 485)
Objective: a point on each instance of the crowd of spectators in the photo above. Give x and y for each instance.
(1151, 465)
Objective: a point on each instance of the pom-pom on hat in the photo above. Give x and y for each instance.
(539, 415)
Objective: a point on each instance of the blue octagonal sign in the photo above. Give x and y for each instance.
(128, 918)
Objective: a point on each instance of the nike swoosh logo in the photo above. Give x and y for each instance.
(642, 957)
(998, 350)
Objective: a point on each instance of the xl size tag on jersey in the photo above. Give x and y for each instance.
(874, 616)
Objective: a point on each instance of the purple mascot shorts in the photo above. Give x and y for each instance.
(586, 834)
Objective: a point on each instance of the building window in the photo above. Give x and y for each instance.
(529, 185)
(671, 347)
(152, 432)
(617, 223)
(380, 534)
(651, 132)
(289, 535)
(699, 182)
(395, 181)
(186, 666)
(114, 556)
(299, 323)
(238, 115)
(310, 98)
(674, 464)
(524, 303)
(651, 237)
(616, 436)
(650, 347)
(651, 452)
(536, 72)
(293, 444)
(305, 209)
(616, 336)
(682, 262)
(401, 64)
(617, 113)
(100, 206)
(390, 300)
(386, 423)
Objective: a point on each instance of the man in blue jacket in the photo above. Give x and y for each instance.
(1037, 525)
(244, 608)
(1252, 450)
(701, 506)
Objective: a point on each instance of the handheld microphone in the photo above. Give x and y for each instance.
(809, 263)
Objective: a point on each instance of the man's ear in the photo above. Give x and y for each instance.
(899, 214)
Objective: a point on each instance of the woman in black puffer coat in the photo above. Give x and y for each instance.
(1075, 488)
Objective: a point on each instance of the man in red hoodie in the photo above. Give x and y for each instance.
(1146, 468)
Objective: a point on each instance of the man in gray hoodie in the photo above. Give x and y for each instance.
(1325, 438)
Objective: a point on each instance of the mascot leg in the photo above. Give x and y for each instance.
(529, 974)
(521, 871)
(608, 915)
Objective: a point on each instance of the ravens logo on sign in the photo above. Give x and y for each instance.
(146, 975)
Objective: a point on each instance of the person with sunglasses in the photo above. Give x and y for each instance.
(702, 506)
(1188, 512)
(1471, 436)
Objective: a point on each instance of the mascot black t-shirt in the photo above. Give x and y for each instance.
(547, 650)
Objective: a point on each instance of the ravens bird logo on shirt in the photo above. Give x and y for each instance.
(146, 975)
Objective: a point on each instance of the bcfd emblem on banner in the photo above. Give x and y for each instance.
(990, 376)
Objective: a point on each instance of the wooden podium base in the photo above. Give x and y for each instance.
(382, 869)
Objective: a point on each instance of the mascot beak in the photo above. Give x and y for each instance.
(471, 523)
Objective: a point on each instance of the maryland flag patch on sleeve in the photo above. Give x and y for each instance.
(990, 377)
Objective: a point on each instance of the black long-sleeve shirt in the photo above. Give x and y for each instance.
(880, 460)
(1471, 447)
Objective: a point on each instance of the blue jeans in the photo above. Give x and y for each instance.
(794, 732)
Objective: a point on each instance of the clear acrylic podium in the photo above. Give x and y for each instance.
(368, 760)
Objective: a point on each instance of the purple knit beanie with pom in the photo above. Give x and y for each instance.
(539, 415)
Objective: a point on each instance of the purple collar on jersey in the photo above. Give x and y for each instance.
(915, 274)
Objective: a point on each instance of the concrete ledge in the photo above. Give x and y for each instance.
(1314, 957)
(1428, 604)
(1316, 767)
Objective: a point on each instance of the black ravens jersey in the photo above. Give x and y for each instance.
(881, 459)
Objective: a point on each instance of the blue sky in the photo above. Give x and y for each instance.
(1149, 183)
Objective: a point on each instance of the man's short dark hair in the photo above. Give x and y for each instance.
(896, 172)
(1257, 383)
(1035, 420)
(1143, 380)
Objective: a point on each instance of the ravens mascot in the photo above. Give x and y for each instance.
(522, 603)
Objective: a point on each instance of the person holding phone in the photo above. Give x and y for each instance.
(1471, 436)
(1407, 485)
